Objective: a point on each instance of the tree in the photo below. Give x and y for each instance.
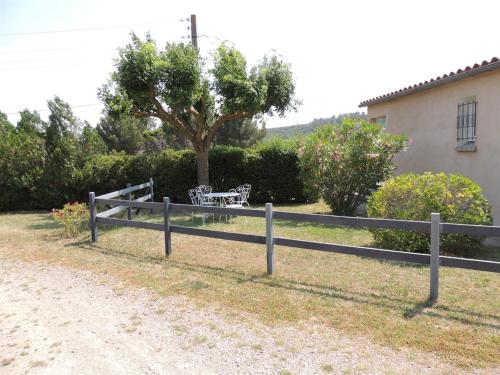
(22, 159)
(173, 138)
(91, 142)
(5, 125)
(240, 133)
(172, 85)
(343, 163)
(31, 122)
(62, 123)
(124, 132)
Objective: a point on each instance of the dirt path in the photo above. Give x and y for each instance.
(60, 321)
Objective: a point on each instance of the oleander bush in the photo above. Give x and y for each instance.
(415, 196)
(344, 163)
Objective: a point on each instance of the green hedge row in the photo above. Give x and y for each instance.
(272, 169)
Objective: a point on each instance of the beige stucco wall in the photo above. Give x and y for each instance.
(429, 119)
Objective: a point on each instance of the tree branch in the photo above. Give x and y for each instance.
(173, 119)
(198, 118)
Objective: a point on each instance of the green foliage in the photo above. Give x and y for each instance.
(240, 133)
(41, 180)
(343, 163)
(414, 197)
(30, 122)
(91, 143)
(174, 173)
(104, 173)
(171, 85)
(74, 217)
(5, 125)
(123, 132)
(22, 162)
(275, 172)
(304, 129)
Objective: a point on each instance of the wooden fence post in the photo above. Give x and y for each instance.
(269, 237)
(166, 221)
(435, 234)
(93, 213)
(151, 191)
(129, 198)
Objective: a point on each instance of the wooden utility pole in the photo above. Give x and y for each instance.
(194, 34)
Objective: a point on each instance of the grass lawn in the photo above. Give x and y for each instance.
(385, 301)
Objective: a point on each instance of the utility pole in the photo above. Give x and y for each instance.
(194, 34)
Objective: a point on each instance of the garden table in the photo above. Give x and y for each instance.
(219, 197)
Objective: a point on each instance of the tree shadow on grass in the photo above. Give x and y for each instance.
(410, 309)
(44, 223)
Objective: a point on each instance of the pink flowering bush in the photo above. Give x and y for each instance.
(344, 163)
(74, 216)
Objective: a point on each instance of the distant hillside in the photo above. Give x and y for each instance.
(302, 129)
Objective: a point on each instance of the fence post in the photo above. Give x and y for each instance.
(93, 213)
(435, 234)
(129, 198)
(151, 191)
(166, 220)
(269, 237)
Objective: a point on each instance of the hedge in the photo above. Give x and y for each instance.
(272, 169)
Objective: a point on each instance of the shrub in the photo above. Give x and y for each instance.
(273, 170)
(74, 217)
(414, 197)
(343, 163)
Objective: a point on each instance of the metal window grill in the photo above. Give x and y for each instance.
(466, 122)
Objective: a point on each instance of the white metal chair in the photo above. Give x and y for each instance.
(194, 200)
(233, 202)
(203, 200)
(244, 191)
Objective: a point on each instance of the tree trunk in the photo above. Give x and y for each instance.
(202, 155)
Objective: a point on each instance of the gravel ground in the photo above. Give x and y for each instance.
(55, 320)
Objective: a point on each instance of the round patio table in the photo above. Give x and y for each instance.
(219, 197)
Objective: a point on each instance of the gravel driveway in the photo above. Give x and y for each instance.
(55, 320)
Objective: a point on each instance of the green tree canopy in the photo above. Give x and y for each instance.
(31, 122)
(172, 84)
(124, 132)
(240, 133)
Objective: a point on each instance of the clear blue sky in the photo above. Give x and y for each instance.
(341, 52)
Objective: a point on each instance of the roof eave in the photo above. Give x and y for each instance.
(430, 85)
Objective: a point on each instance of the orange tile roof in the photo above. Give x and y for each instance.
(468, 71)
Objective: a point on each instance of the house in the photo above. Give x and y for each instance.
(454, 124)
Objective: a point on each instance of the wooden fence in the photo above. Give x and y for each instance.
(435, 227)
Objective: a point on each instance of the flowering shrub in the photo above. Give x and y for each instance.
(413, 197)
(343, 163)
(74, 216)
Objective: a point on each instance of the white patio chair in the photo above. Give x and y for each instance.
(204, 200)
(194, 200)
(244, 191)
(233, 202)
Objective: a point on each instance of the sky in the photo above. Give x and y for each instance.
(341, 52)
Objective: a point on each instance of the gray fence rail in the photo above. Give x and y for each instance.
(435, 227)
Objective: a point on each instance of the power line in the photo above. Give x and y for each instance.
(47, 110)
(88, 28)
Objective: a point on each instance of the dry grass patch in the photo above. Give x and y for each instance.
(383, 300)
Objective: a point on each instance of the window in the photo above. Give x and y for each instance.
(466, 122)
(379, 120)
